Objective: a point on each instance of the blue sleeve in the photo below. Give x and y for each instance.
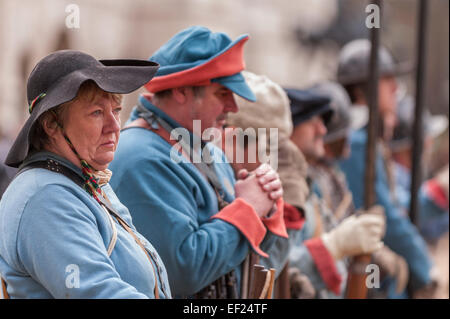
(59, 236)
(280, 249)
(195, 249)
(301, 258)
(404, 239)
(433, 219)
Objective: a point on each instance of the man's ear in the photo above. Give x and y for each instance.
(180, 94)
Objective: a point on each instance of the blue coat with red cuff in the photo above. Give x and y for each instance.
(175, 207)
(310, 255)
(306, 252)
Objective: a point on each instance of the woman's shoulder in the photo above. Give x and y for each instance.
(33, 185)
(38, 195)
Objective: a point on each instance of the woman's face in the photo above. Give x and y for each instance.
(93, 127)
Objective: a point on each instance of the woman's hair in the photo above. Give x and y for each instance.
(87, 91)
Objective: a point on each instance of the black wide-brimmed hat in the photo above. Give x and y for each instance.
(57, 78)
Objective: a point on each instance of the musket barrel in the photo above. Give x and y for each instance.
(416, 178)
(356, 283)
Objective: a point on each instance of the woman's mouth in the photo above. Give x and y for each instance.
(109, 144)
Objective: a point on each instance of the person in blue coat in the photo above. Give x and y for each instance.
(63, 231)
(401, 235)
(182, 192)
(330, 237)
(433, 218)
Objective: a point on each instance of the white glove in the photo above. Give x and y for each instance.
(356, 235)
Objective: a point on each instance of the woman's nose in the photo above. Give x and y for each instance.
(111, 122)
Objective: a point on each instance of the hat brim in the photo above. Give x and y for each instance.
(113, 76)
(401, 69)
(325, 111)
(236, 83)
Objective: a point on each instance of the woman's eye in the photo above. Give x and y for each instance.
(97, 112)
(117, 110)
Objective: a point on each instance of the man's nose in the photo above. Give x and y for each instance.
(321, 128)
(230, 105)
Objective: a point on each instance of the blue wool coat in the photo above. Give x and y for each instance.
(173, 205)
(54, 238)
(401, 235)
(433, 218)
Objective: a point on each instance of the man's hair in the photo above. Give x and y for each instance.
(352, 90)
(88, 90)
(337, 147)
(161, 95)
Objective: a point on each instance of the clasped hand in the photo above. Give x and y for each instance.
(259, 188)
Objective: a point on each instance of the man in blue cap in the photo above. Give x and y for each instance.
(329, 239)
(182, 192)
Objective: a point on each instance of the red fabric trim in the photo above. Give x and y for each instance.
(243, 217)
(228, 63)
(436, 193)
(275, 223)
(293, 218)
(325, 264)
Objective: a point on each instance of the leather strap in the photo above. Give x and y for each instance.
(4, 290)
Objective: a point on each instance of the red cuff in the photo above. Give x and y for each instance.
(243, 217)
(325, 264)
(275, 223)
(436, 193)
(293, 218)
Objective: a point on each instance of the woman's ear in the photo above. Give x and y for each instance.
(50, 125)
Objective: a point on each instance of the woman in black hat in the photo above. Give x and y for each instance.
(63, 232)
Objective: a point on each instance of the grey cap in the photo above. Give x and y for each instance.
(353, 67)
(434, 125)
(343, 119)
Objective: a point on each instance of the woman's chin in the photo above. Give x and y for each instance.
(101, 163)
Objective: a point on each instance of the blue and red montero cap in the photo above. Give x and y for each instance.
(196, 56)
